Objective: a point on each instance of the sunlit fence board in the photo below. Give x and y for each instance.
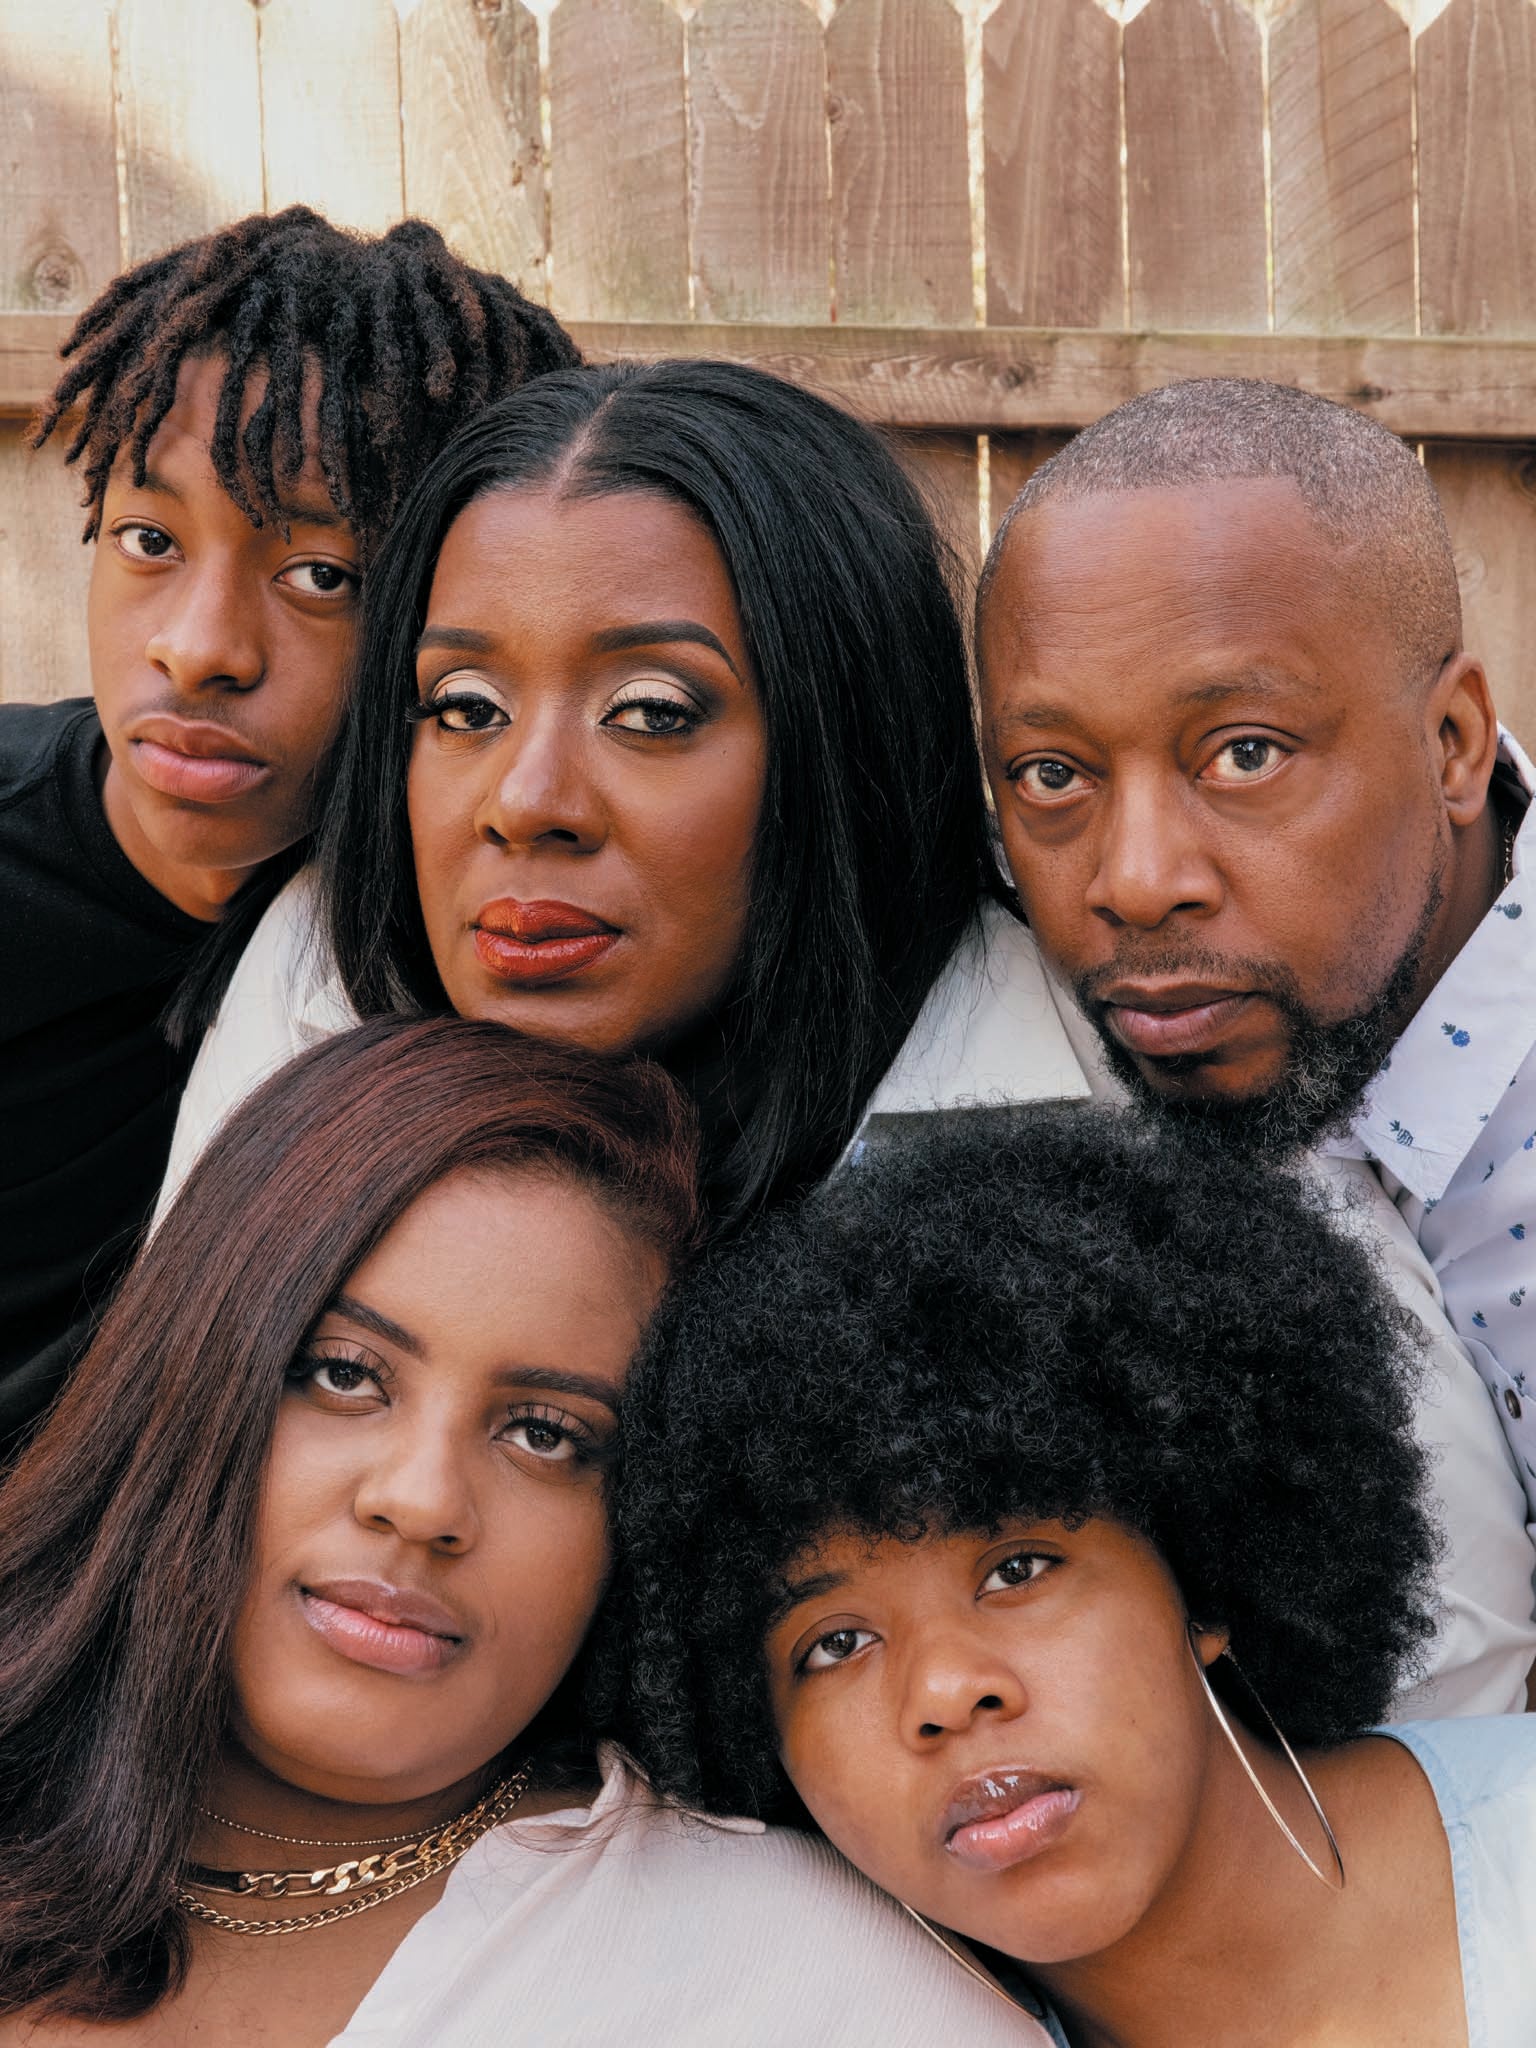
(58, 165)
(1051, 96)
(330, 107)
(758, 161)
(189, 112)
(901, 213)
(1194, 118)
(471, 137)
(1477, 168)
(1341, 122)
(618, 174)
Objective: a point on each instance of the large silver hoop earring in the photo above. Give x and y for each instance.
(1253, 1777)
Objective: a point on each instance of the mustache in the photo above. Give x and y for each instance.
(1189, 963)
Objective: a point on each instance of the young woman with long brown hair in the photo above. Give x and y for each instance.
(293, 1582)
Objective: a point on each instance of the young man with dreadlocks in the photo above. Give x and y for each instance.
(252, 406)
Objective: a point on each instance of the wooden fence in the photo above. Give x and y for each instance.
(981, 224)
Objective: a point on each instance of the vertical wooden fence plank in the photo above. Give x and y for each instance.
(1194, 120)
(901, 210)
(618, 171)
(43, 574)
(58, 163)
(330, 108)
(190, 111)
(1477, 169)
(1489, 495)
(758, 186)
(1341, 128)
(1051, 95)
(1013, 460)
(471, 137)
(944, 468)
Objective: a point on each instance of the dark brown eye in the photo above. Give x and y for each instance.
(1244, 759)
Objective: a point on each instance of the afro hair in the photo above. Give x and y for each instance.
(1051, 1313)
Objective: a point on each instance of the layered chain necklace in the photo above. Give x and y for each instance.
(358, 1883)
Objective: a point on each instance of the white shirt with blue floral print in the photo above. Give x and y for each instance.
(1450, 1124)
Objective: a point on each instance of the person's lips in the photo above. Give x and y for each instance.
(1006, 1816)
(194, 759)
(1170, 1019)
(536, 943)
(388, 1627)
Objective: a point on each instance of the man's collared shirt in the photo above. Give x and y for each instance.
(1450, 1125)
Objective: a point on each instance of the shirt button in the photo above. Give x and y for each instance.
(1512, 1403)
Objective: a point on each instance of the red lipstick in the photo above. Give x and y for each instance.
(194, 759)
(369, 1622)
(536, 944)
(1005, 1817)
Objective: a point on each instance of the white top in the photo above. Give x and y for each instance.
(996, 1028)
(1450, 1126)
(630, 1925)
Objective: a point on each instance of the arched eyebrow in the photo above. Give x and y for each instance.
(375, 1320)
(662, 633)
(548, 1380)
(457, 639)
(544, 1378)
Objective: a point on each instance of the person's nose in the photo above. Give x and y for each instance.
(207, 638)
(1152, 863)
(540, 791)
(953, 1679)
(416, 1488)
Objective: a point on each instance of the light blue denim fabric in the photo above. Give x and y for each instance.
(1483, 1775)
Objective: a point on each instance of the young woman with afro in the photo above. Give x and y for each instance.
(1005, 1512)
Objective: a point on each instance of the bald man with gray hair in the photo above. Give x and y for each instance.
(1267, 832)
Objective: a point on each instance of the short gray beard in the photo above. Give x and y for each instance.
(1328, 1069)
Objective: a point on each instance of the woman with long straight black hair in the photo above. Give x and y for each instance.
(663, 738)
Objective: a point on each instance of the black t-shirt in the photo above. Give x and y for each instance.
(90, 954)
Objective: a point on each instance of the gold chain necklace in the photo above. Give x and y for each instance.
(370, 1880)
(239, 1827)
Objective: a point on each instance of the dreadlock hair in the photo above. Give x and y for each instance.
(407, 342)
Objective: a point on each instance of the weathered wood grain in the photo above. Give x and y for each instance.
(189, 114)
(1051, 119)
(330, 108)
(901, 210)
(1002, 379)
(618, 169)
(757, 188)
(1194, 134)
(43, 575)
(1341, 127)
(1489, 495)
(944, 467)
(1477, 169)
(58, 164)
(472, 143)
